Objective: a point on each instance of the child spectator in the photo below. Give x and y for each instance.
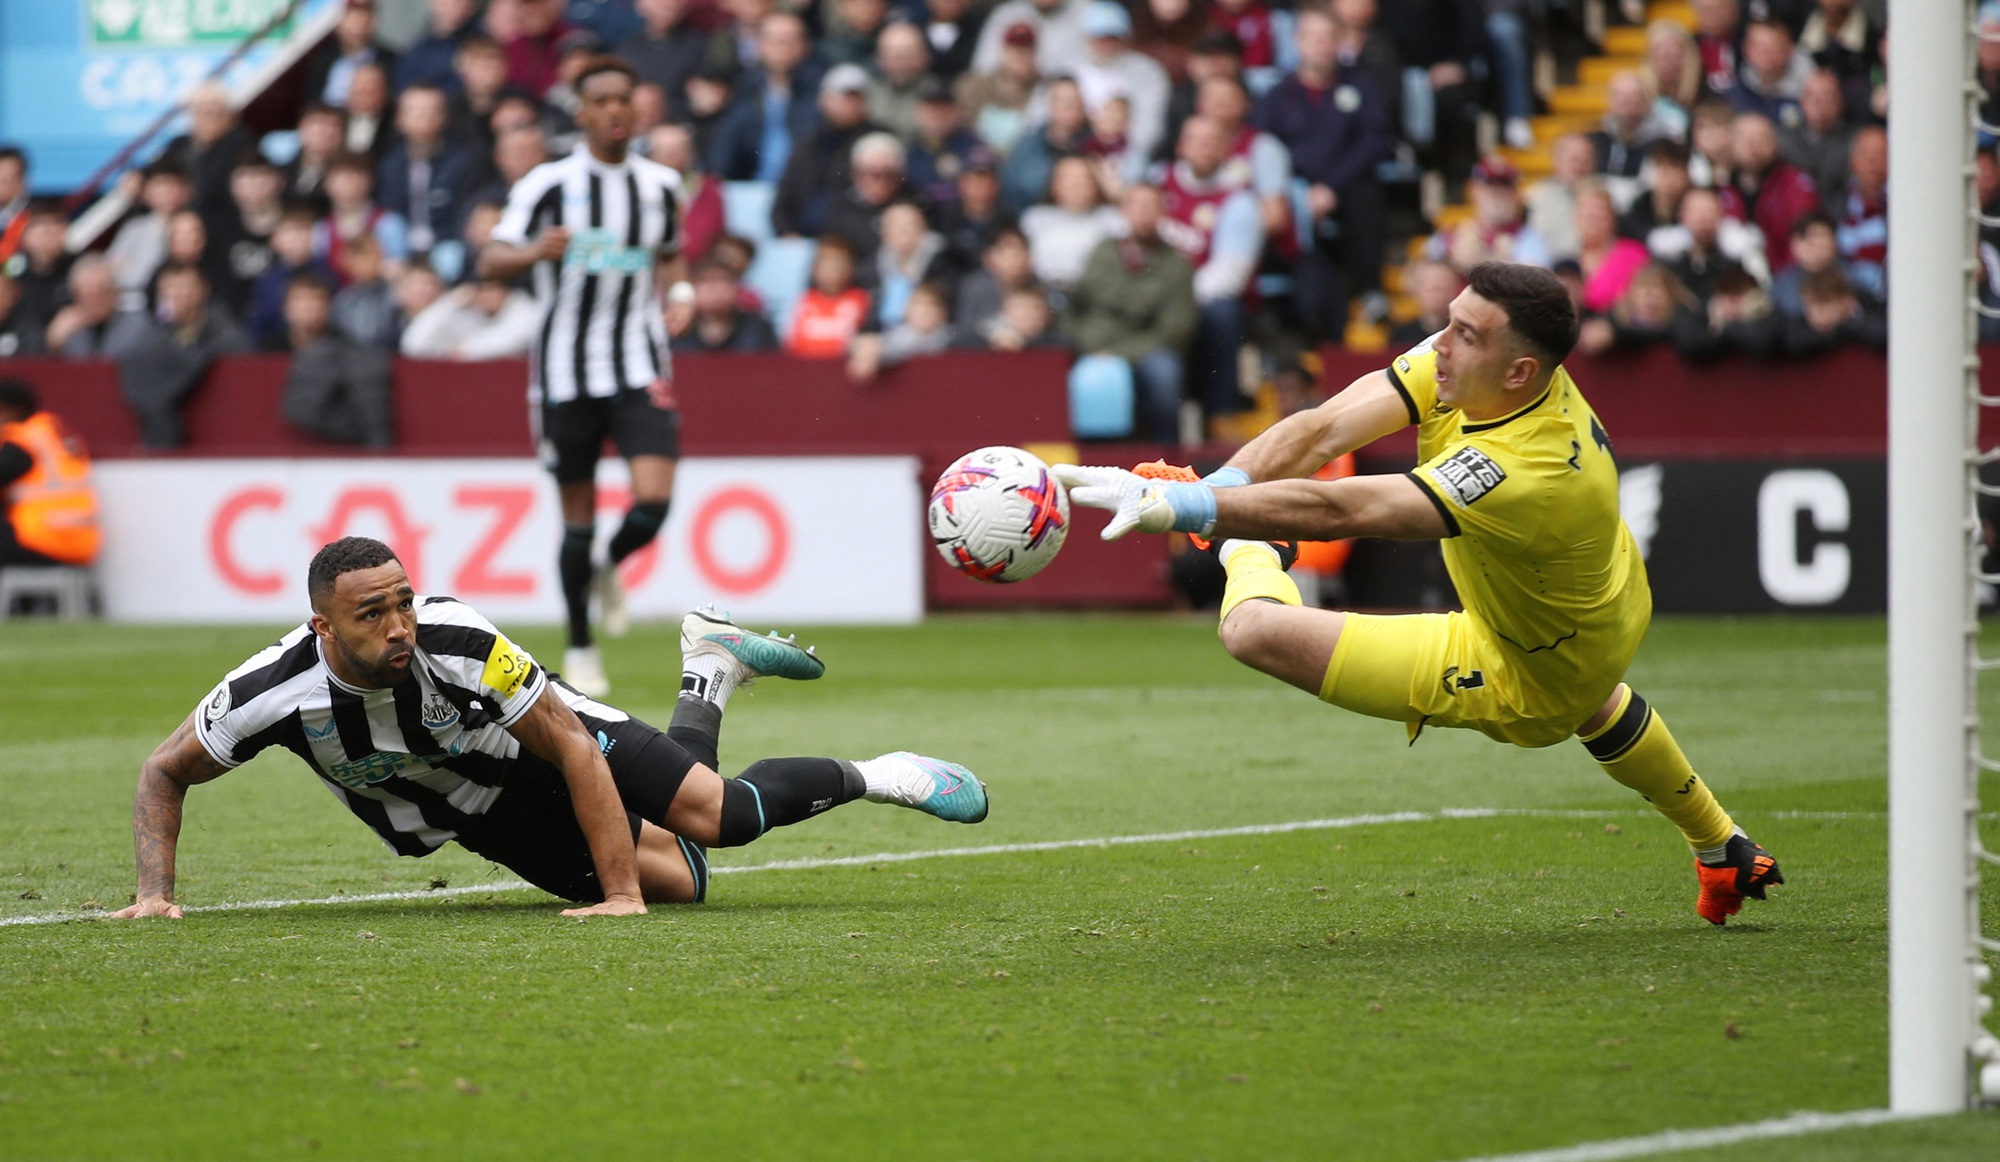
(350, 186)
(482, 320)
(336, 389)
(718, 321)
(925, 330)
(832, 311)
(1739, 320)
(291, 256)
(1005, 268)
(141, 244)
(365, 309)
(1815, 247)
(1024, 323)
(1833, 315)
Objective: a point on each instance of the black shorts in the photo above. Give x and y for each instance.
(532, 829)
(574, 431)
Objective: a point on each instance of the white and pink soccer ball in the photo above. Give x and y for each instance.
(999, 515)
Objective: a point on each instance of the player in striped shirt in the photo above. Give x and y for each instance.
(430, 726)
(601, 229)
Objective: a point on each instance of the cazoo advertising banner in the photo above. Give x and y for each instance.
(792, 539)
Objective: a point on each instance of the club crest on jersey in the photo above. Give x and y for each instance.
(218, 703)
(1466, 475)
(439, 712)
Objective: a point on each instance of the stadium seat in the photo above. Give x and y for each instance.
(746, 209)
(1100, 398)
(68, 588)
(779, 275)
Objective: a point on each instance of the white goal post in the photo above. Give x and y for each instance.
(1938, 1049)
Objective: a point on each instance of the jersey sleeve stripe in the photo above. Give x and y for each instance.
(301, 656)
(1409, 401)
(1450, 521)
(532, 690)
(454, 641)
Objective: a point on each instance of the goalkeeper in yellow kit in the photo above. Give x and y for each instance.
(1516, 478)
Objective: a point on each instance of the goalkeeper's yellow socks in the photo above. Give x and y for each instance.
(1636, 748)
(1255, 573)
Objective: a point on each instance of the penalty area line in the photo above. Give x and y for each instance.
(807, 864)
(1671, 1141)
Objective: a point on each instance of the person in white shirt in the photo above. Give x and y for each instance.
(484, 320)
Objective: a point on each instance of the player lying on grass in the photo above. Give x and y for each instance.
(1517, 479)
(428, 724)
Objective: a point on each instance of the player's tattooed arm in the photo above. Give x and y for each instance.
(175, 765)
(551, 730)
(1299, 445)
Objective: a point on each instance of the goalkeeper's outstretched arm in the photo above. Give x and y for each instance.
(1393, 507)
(1298, 445)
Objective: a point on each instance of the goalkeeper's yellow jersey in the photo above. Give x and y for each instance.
(1541, 558)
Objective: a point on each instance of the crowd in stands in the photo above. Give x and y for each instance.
(1160, 183)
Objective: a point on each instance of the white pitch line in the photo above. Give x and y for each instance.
(807, 864)
(1670, 1141)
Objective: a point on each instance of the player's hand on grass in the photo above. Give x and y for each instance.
(150, 906)
(615, 906)
(1151, 506)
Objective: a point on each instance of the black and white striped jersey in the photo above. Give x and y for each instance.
(601, 330)
(417, 761)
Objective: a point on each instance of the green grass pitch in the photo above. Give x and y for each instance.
(1416, 991)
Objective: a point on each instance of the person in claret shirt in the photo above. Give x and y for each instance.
(1718, 37)
(833, 310)
(1250, 21)
(1763, 189)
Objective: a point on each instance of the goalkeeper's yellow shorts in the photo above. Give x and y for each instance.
(1444, 669)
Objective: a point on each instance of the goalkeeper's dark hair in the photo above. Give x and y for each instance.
(346, 555)
(1537, 303)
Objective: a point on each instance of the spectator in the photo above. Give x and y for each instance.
(1629, 130)
(910, 255)
(1059, 37)
(322, 137)
(719, 322)
(668, 50)
(1672, 74)
(972, 218)
(856, 212)
(480, 320)
(924, 330)
(820, 169)
(350, 186)
(1815, 247)
(41, 266)
(704, 104)
(481, 72)
(737, 254)
(1834, 314)
(1433, 285)
(941, 147)
(22, 332)
(365, 309)
(518, 151)
(995, 103)
(1773, 76)
(1024, 323)
(1551, 202)
(1718, 39)
(291, 256)
(1216, 54)
(1166, 31)
(48, 505)
(430, 60)
(1113, 161)
(1765, 190)
(1439, 42)
(1005, 268)
(953, 28)
(187, 242)
(422, 177)
(1364, 50)
(1250, 22)
(702, 211)
(207, 152)
(1608, 262)
(1114, 68)
(459, 257)
(161, 360)
(336, 389)
(13, 194)
(81, 329)
(1256, 161)
(416, 289)
(533, 43)
(1024, 180)
(1820, 143)
(854, 37)
(560, 105)
(1498, 230)
(739, 35)
(1738, 320)
(1063, 235)
(1864, 222)
(902, 58)
(368, 115)
(772, 110)
(1696, 254)
(331, 68)
(1216, 225)
(1709, 159)
(241, 238)
(1659, 204)
(1337, 128)
(1649, 312)
(1136, 301)
(1839, 38)
(1509, 32)
(833, 310)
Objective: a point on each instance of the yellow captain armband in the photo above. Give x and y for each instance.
(507, 667)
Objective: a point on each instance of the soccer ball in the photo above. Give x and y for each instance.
(997, 515)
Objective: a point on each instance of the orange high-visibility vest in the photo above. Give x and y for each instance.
(1329, 557)
(54, 507)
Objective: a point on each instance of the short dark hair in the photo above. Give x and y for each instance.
(1825, 286)
(1537, 304)
(346, 555)
(1667, 151)
(1809, 220)
(13, 153)
(604, 63)
(308, 280)
(17, 396)
(170, 269)
(351, 160)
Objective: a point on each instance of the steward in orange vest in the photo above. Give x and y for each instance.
(46, 498)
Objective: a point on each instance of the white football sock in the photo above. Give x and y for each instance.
(892, 780)
(709, 677)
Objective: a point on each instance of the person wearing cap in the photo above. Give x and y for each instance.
(995, 103)
(942, 146)
(902, 64)
(773, 107)
(1498, 230)
(819, 170)
(1116, 69)
(330, 69)
(972, 219)
(1059, 37)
